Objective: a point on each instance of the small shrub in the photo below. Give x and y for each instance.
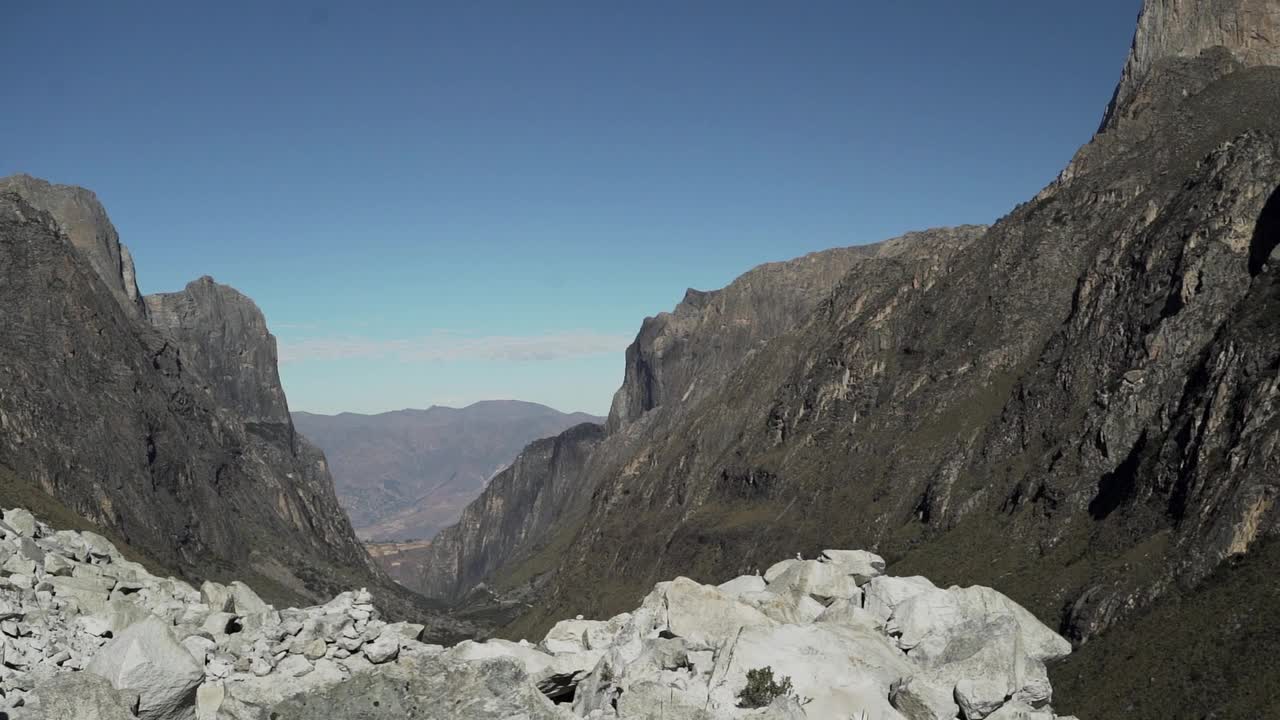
(761, 688)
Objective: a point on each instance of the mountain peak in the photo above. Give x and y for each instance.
(81, 217)
(1248, 29)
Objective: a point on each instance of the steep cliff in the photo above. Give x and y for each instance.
(226, 341)
(175, 437)
(84, 221)
(679, 357)
(527, 512)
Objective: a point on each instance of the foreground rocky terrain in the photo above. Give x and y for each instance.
(1077, 405)
(88, 634)
(404, 475)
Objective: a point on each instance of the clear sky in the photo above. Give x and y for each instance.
(442, 202)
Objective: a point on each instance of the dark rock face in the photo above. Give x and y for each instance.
(175, 437)
(407, 474)
(226, 341)
(84, 221)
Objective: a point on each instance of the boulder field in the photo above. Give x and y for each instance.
(86, 634)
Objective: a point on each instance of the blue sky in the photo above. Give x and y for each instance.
(443, 202)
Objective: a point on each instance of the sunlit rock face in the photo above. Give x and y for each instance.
(1248, 29)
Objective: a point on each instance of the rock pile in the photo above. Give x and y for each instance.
(854, 642)
(88, 634)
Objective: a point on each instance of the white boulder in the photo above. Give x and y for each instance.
(148, 659)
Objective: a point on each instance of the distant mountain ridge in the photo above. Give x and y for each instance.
(405, 474)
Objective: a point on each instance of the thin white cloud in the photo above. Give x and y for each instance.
(446, 345)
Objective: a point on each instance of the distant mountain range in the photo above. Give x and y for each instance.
(406, 474)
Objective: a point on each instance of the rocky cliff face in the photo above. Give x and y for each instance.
(517, 511)
(84, 221)
(176, 437)
(1079, 407)
(678, 359)
(1248, 30)
(225, 339)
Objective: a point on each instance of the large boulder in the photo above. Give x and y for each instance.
(246, 602)
(84, 696)
(555, 675)
(665, 675)
(785, 607)
(983, 665)
(842, 671)
(705, 616)
(823, 581)
(146, 657)
(929, 622)
(862, 565)
(217, 596)
(743, 584)
(21, 521)
(882, 594)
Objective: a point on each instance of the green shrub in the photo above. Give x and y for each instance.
(761, 688)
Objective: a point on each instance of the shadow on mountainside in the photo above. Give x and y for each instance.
(1266, 236)
(1159, 665)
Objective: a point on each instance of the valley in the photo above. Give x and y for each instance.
(1048, 446)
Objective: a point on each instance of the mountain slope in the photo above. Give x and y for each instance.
(678, 359)
(1078, 408)
(408, 473)
(1081, 379)
(175, 435)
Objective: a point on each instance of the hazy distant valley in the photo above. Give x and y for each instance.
(404, 475)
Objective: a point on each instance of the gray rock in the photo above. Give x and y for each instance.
(84, 696)
(218, 597)
(384, 649)
(21, 521)
(146, 657)
(861, 564)
(246, 601)
(426, 688)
